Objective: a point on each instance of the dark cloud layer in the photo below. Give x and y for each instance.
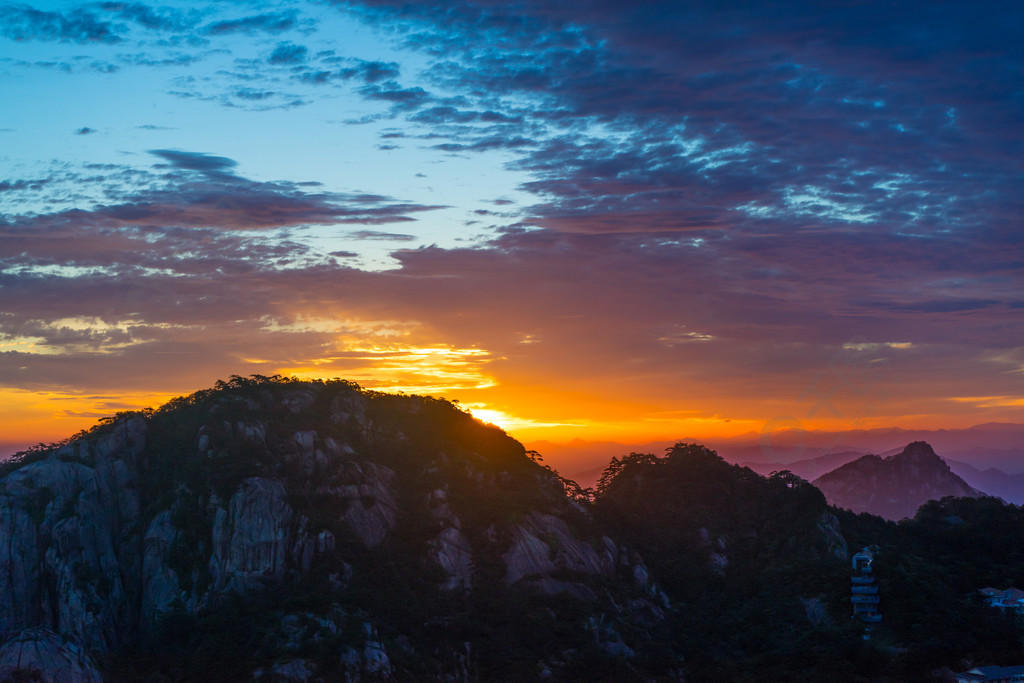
(22, 22)
(729, 201)
(105, 22)
(202, 191)
(271, 22)
(830, 113)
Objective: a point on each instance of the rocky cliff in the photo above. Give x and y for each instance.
(893, 487)
(301, 530)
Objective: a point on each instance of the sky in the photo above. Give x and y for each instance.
(594, 219)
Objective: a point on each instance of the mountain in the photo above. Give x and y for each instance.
(281, 530)
(893, 487)
(991, 444)
(991, 481)
(270, 529)
(756, 565)
(750, 558)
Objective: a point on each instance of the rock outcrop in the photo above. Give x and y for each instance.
(371, 511)
(68, 522)
(543, 545)
(255, 537)
(39, 654)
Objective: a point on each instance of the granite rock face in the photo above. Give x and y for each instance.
(372, 511)
(835, 543)
(452, 552)
(68, 522)
(41, 654)
(543, 545)
(254, 538)
(82, 561)
(160, 586)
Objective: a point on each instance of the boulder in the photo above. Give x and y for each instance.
(47, 656)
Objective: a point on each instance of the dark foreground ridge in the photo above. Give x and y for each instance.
(280, 530)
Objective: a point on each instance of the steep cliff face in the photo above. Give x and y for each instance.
(326, 524)
(893, 487)
(70, 553)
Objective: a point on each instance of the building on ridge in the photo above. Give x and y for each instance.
(864, 589)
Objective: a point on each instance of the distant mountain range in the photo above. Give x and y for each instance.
(584, 461)
(994, 482)
(989, 457)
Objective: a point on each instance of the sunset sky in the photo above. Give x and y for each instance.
(597, 219)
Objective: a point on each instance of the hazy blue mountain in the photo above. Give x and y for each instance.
(809, 469)
(994, 482)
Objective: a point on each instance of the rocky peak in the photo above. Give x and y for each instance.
(918, 451)
(896, 486)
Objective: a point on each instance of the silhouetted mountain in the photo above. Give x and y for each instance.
(285, 530)
(279, 530)
(893, 487)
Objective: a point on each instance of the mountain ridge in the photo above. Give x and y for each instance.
(284, 530)
(982, 446)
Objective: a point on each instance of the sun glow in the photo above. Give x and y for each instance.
(991, 401)
(508, 422)
(32, 417)
(396, 367)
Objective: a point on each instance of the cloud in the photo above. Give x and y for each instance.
(196, 190)
(288, 53)
(385, 236)
(687, 116)
(207, 164)
(163, 19)
(330, 68)
(401, 99)
(21, 185)
(270, 22)
(21, 23)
